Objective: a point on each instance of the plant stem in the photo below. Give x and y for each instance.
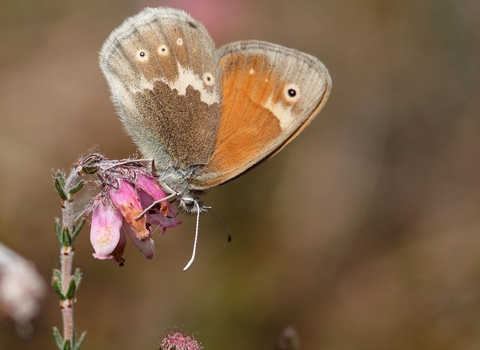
(66, 257)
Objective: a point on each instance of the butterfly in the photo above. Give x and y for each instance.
(207, 115)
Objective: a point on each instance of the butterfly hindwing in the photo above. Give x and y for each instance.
(270, 93)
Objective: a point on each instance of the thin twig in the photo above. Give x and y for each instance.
(66, 232)
(66, 258)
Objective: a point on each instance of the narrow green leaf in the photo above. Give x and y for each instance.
(67, 238)
(58, 230)
(60, 186)
(58, 338)
(77, 187)
(67, 345)
(57, 287)
(78, 228)
(78, 277)
(60, 177)
(57, 274)
(79, 343)
(71, 289)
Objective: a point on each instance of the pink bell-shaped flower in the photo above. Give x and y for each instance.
(125, 198)
(117, 212)
(105, 233)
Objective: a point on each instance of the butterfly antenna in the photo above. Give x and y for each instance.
(229, 236)
(196, 238)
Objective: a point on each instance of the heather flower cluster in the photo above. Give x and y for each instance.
(128, 188)
(179, 341)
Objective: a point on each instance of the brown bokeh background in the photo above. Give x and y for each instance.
(364, 233)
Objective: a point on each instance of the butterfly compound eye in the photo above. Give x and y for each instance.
(188, 204)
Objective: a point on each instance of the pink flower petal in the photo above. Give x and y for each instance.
(117, 253)
(105, 230)
(151, 186)
(126, 199)
(146, 245)
(165, 218)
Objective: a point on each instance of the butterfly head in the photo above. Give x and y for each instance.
(191, 203)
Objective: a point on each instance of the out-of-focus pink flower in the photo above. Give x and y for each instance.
(179, 341)
(22, 288)
(105, 234)
(288, 339)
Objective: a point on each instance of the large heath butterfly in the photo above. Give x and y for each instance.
(206, 116)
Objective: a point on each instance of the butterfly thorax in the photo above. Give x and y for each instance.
(175, 181)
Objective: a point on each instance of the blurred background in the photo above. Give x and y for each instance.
(364, 233)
